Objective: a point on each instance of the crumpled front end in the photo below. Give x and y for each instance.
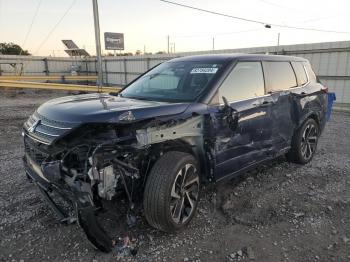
(96, 162)
(85, 167)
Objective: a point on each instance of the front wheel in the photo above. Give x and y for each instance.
(172, 191)
(304, 142)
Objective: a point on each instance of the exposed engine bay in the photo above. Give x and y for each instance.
(96, 162)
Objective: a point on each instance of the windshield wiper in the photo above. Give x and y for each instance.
(139, 98)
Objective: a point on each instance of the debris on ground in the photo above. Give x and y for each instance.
(130, 220)
(285, 212)
(124, 248)
(249, 252)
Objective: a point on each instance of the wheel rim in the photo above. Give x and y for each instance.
(184, 194)
(309, 141)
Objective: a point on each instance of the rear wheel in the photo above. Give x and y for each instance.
(304, 142)
(172, 191)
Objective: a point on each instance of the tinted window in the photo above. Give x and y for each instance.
(300, 73)
(311, 73)
(173, 82)
(245, 81)
(280, 76)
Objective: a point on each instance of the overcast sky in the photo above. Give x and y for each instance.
(148, 22)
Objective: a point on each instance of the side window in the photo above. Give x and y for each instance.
(300, 73)
(280, 76)
(245, 81)
(311, 73)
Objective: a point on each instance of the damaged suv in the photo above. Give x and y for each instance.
(185, 122)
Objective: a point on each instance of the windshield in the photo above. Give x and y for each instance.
(173, 82)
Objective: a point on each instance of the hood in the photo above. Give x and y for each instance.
(105, 108)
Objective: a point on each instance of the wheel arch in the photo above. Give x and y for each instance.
(310, 115)
(190, 145)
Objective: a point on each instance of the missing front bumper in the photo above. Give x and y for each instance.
(85, 211)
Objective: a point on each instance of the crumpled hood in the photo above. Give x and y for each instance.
(104, 108)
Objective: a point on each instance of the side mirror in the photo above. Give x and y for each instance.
(230, 115)
(225, 101)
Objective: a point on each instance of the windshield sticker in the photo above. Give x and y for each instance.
(204, 70)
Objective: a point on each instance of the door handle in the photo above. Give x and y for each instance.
(266, 103)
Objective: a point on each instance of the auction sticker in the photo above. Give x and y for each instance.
(210, 70)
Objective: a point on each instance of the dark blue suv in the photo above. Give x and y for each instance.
(186, 122)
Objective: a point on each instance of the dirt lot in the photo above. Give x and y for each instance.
(281, 212)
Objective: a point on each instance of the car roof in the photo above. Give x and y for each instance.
(216, 58)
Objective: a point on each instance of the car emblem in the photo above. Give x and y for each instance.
(34, 126)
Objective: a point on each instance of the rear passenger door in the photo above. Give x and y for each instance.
(247, 144)
(280, 83)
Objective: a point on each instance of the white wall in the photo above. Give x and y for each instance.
(330, 60)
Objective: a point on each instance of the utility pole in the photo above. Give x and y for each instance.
(213, 43)
(98, 45)
(278, 39)
(168, 43)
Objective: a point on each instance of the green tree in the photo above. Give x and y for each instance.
(12, 49)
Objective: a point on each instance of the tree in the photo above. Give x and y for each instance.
(12, 49)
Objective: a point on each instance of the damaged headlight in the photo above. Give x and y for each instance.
(127, 116)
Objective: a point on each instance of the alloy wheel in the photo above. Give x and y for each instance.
(184, 194)
(309, 141)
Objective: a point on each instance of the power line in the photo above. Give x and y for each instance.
(55, 26)
(213, 12)
(31, 25)
(50, 32)
(267, 25)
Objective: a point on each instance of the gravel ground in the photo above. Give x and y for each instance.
(281, 212)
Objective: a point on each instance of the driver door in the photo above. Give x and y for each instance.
(247, 142)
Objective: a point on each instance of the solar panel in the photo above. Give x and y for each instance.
(70, 44)
(73, 49)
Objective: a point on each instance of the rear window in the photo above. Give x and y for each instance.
(300, 73)
(311, 73)
(280, 76)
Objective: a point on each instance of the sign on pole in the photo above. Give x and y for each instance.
(114, 41)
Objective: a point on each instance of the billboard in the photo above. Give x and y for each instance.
(114, 41)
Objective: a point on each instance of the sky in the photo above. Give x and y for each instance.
(147, 23)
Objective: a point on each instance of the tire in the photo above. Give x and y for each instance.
(304, 142)
(167, 199)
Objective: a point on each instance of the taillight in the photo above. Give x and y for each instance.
(324, 90)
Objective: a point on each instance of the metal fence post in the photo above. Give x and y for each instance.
(125, 72)
(106, 72)
(148, 62)
(46, 65)
(95, 62)
(86, 67)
